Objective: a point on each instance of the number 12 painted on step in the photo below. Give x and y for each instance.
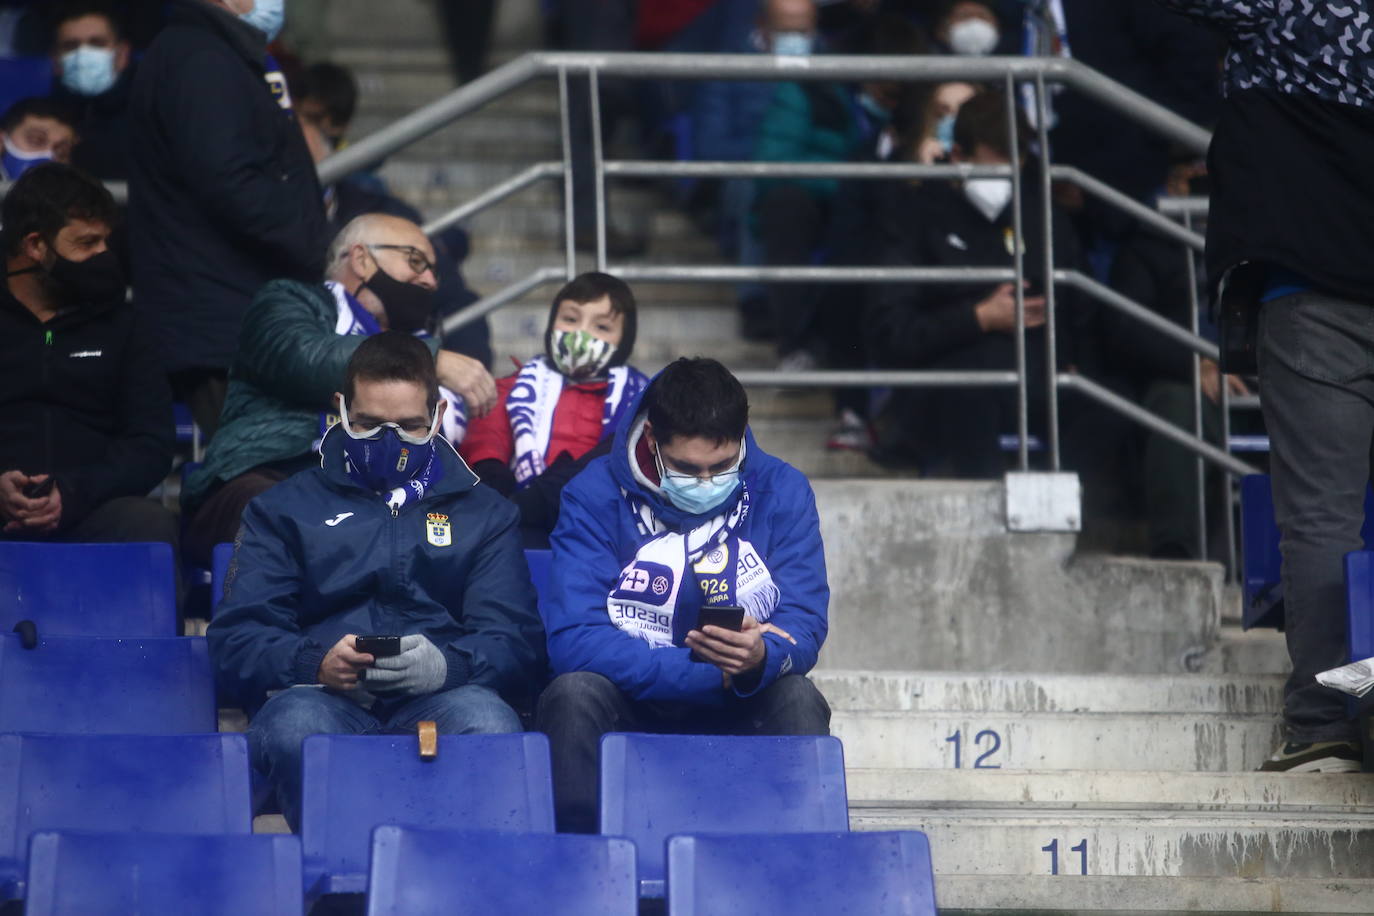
(979, 763)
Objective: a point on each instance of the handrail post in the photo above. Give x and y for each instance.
(1200, 467)
(568, 225)
(1051, 343)
(1017, 244)
(598, 166)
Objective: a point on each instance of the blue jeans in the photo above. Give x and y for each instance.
(286, 720)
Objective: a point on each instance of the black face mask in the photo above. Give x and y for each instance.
(408, 307)
(98, 280)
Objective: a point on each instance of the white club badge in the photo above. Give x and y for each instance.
(437, 530)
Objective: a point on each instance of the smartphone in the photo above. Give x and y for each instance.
(728, 617)
(39, 490)
(378, 646)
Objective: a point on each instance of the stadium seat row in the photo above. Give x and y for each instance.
(654, 787)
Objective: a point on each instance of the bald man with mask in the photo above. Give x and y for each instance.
(297, 338)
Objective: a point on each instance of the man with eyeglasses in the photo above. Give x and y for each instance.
(296, 340)
(689, 592)
(380, 589)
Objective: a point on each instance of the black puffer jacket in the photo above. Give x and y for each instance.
(83, 397)
(222, 190)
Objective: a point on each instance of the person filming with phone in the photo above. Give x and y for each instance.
(688, 591)
(384, 588)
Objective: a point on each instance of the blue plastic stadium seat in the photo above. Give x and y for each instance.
(1359, 592)
(88, 589)
(356, 783)
(223, 553)
(541, 566)
(1261, 561)
(876, 874)
(468, 873)
(22, 78)
(114, 874)
(75, 685)
(154, 783)
(653, 786)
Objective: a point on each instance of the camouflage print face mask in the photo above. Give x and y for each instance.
(580, 355)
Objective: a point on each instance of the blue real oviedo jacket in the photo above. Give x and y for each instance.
(319, 557)
(596, 538)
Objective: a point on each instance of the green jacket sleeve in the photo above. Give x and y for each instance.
(288, 345)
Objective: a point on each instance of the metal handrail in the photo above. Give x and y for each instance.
(469, 97)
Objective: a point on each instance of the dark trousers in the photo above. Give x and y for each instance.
(203, 391)
(1171, 492)
(217, 520)
(1316, 369)
(792, 225)
(578, 708)
(467, 30)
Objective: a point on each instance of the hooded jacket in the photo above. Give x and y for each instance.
(320, 557)
(83, 397)
(222, 190)
(597, 537)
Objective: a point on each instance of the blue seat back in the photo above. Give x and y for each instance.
(219, 570)
(22, 78)
(113, 874)
(1261, 586)
(653, 786)
(88, 589)
(1261, 562)
(1359, 591)
(465, 873)
(877, 874)
(79, 685)
(155, 783)
(355, 783)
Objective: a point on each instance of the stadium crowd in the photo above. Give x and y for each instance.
(300, 324)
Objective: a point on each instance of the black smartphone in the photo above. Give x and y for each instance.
(728, 617)
(378, 646)
(39, 490)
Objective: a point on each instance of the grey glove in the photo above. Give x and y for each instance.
(419, 668)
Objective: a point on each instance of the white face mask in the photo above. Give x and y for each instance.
(989, 195)
(973, 36)
(792, 44)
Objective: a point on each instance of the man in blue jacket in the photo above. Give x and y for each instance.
(391, 535)
(686, 515)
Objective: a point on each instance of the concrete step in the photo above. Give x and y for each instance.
(1043, 790)
(1220, 844)
(1253, 652)
(1207, 742)
(1047, 693)
(1073, 895)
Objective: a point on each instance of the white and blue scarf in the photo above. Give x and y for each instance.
(354, 320)
(718, 566)
(533, 400)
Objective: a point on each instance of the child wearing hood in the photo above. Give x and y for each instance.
(562, 407)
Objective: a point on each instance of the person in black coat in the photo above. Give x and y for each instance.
(93, 67)
(222, 192)
(953, 432)
(85, 412)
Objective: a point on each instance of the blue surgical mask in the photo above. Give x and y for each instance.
(944, 132)
(872, 107)
(386, 456)
(696, 495)
(792, 44)
(16, 162)
(89, 70)
(267, 17)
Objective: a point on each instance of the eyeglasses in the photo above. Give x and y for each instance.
(415, 258)
(718, 478)
(375, 432)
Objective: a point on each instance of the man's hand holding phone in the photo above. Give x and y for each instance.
(735, 651)
(32, 503)
(343, 666)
